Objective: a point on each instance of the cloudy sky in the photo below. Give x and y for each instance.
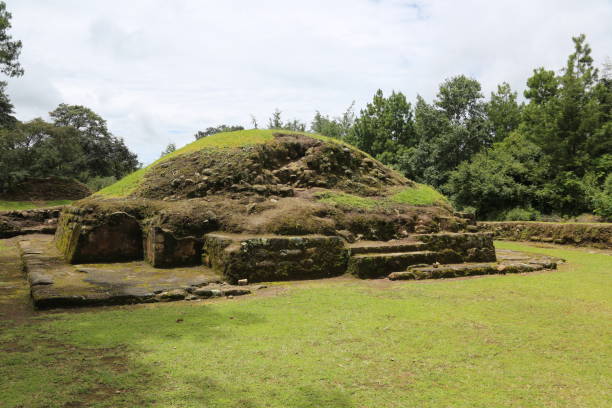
(158, 71)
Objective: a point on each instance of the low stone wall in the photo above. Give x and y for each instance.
(274, 258)
(587, 234)
(460, 247)
(36, 221)
(83, 240)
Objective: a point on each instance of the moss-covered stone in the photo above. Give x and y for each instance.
(274, 258)
(597, 235)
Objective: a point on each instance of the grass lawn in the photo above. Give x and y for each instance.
(28, 205)
(536, 340)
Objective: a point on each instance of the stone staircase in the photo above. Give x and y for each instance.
(376, 259)
(411, 259)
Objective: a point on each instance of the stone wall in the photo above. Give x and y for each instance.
(82, 239)
(587, 234)
(36, 221)
(460, 247)
(274, 258)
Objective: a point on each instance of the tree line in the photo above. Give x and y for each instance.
(75, 144)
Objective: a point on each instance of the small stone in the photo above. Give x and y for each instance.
(176, 294)
(243, 282)
(436, 264)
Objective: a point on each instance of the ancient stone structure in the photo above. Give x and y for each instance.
(288, 207)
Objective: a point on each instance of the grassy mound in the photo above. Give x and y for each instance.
(276, 181)
(225, 140)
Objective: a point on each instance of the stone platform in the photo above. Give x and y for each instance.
(55, 283)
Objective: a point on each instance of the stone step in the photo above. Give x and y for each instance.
(472, 269)
(376, 265)
(363, 247)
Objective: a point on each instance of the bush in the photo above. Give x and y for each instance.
(520, 214)
(603, 200)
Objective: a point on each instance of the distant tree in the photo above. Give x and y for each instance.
(254, 122)
(105, 154)
(276, 122)
(216, 129)
(169, 149)
(338, 127)
(385, 127)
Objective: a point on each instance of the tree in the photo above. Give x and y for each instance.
(508, 175)
(338, 127)
(449, 131)
(169, 149)
(39, 149)
(9, 65)
(503, 112)
(105, 154)
(385, 128)
(9, 48)
(216, 129)
(276, 122)
(7, 120)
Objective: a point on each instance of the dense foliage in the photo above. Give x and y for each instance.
(551, 154)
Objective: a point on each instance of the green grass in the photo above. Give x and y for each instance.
(28, 205)
(420, 195)
(128, 184)
(535, 340)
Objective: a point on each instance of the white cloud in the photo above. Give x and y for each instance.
(158, 71)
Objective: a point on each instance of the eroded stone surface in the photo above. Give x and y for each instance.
(55, 283)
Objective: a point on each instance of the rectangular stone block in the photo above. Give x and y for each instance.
(274, 257)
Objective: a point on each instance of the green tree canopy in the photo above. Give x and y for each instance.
(385, 127)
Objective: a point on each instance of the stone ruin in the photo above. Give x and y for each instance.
(254, 213)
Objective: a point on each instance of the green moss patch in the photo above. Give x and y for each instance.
(420, 194)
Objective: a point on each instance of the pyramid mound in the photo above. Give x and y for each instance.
(250, 182)
(288, 161)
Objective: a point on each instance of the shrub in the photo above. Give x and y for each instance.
(521, 214)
